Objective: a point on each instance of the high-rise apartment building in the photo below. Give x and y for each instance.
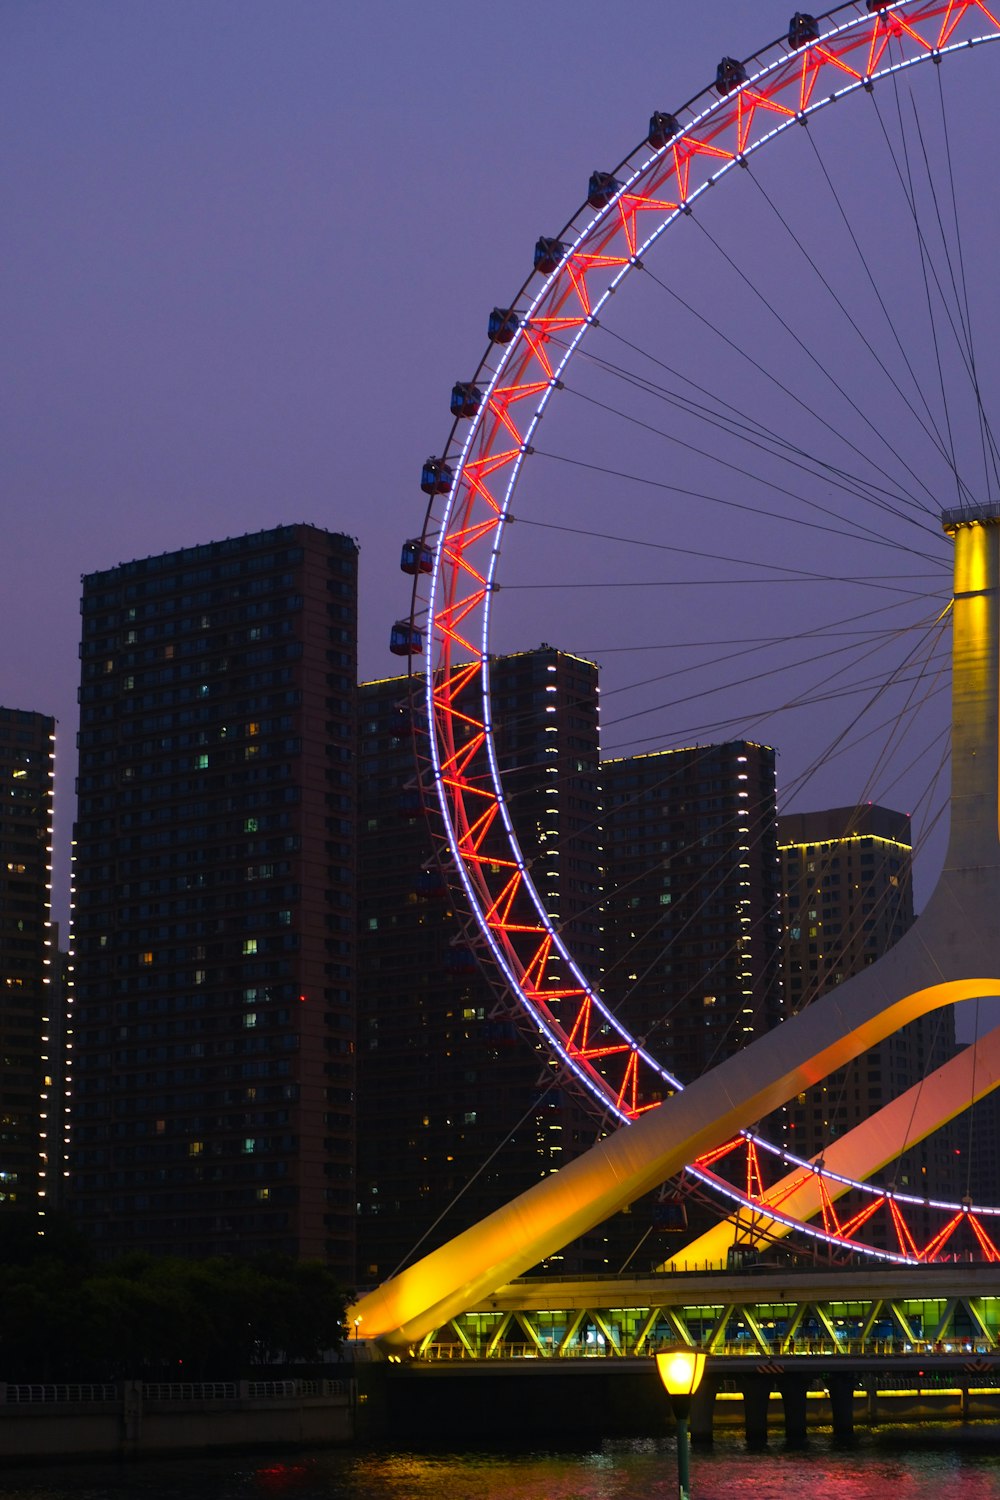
(847, 875)
(457, 1110)
(30, 1136)
(692, 900)
(214, 918)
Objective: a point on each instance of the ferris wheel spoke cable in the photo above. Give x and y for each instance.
(895, 494)
(789, 792)
(798, 784)
(812, 467)
(749, 725)
(730, 727)
(735, 422)
(856, 650)
(930, 507)
(752, 434)
(861, 534)
(988, 443)
(905, 496)
(878, 695)
(958, 305)
(865, 263)
(959, 284)
(958, 311)
(878, 636)
(930, 272)
(683, 997)
(622, 888)
(880, 580)
(922, 838)
(828, 630)
(912, 704)
(943, 443)
(878, 585)
(855, 654)
(926, 265)
(927, 427)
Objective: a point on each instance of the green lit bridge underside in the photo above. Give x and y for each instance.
(874, 1312)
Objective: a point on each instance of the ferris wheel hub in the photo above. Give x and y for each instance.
(986, 513)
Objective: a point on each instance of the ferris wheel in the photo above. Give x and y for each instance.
(793, 400)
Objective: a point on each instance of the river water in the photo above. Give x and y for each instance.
(893, 1465)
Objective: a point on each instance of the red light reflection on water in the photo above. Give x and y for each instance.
(277, 1477)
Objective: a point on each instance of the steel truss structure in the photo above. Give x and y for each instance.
(793, 1312)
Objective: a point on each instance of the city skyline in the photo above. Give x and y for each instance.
(230, 301)
(223, 307)
(216, 242)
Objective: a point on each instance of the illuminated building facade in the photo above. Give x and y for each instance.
(30, 1143)
(456, 1109)
(214, 920)
(692, 903)
(847, 875)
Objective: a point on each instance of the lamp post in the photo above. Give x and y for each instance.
(681, 1371)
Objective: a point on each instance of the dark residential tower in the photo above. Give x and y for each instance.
(213, 1096)
(30, 1120)
(457, 1110)
(692, 902)
(847, 874)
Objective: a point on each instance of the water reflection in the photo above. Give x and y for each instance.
(889, 1466)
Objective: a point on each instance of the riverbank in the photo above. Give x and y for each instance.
(132, 1419)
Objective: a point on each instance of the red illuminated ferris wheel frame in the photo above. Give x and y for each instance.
(472, 483)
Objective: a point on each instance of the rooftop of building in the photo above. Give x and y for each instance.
(835, 824)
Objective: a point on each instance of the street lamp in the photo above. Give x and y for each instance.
(681, 1371)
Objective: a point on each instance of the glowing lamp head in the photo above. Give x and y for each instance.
(681, 1370)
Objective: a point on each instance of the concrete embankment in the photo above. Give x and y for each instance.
(131, 1418)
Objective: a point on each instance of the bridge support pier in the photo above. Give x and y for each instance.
(756, 1396)
(793, 1396)
(703, 1413)
(841, 1391)
(872, 1393)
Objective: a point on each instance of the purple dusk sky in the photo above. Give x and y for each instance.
(249, 246)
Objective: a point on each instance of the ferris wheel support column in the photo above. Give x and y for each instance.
(950, 954)
(974, 840)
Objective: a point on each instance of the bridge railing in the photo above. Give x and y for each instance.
(194, 1392)
(846, 1348)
